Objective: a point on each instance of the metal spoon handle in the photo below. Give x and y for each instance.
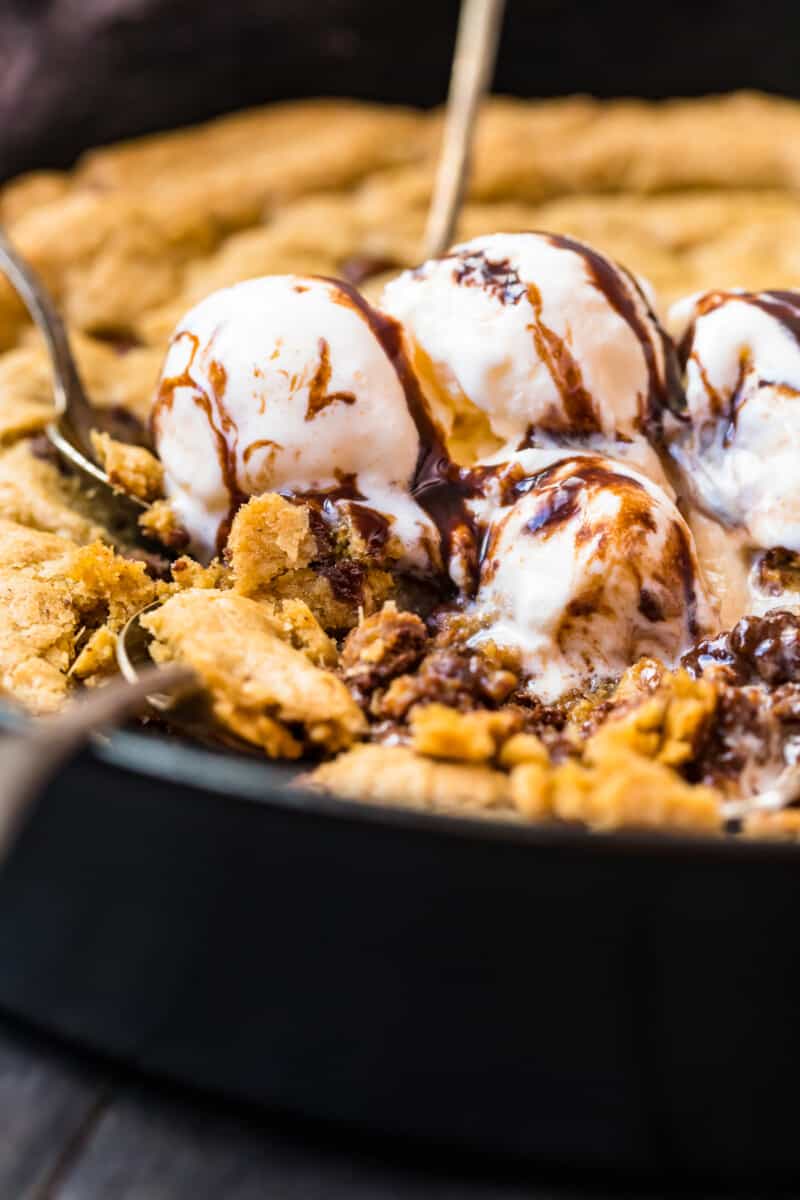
(473, 65)
(32, 755)
(69, 392)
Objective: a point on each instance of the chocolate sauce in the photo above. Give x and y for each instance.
(497, 277)
(558, 507)
(345, 576)
(225, 433)
(664, 391)
(437, 484)
(373, 527)
(318, 396)
(578, 405)
(260, 444)
(784, 306)
(650, 606)
(736, 400)
(684, 566)
(715, 401)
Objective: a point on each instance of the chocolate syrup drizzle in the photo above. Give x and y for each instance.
(437, 484)
(223, 427)
(664, 389)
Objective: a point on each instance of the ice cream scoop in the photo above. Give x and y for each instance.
(547, 338)
(587, 567)
(741, 444)
(738, 444)
(290, 384)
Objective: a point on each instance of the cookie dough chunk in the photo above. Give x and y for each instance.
(132, 469)
(396, 775)
(260, 688)
(60, 605)
(279, 551)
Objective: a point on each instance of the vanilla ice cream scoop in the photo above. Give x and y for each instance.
(550, 340)
(291, 384)
(740, 445)
(589, 567)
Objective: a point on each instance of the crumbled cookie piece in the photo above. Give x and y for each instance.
(159, 521)
(396, 775)
(301, 629)
(782, 826)
(269, 537)
(34, 492)
(26, 394)
(278, 550)
(53, 595)
(260, 688)
(132, 469)
(99, 578)
(462, 680)
(668, 725)
(188, 573)
(523, 748)
(382, 646)
(336, 594)
(620, 790)
(98, 658)
(745, 738)
(473, 737)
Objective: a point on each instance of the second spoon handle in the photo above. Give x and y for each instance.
(473, 66)
(34, 753)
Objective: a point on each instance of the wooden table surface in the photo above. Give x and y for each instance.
(75, 1129)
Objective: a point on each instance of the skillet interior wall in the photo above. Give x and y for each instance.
(74, 75)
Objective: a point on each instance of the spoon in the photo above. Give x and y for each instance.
(479, 25)
(184, 714)
(76, 416)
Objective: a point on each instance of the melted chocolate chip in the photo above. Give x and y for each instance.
(346, 579)
(757, 650)
(383, 646)
(373, 527)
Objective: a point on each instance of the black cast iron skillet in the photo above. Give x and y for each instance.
(601, 1000)
(618, 1000)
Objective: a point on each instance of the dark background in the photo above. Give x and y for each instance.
(75, 73)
